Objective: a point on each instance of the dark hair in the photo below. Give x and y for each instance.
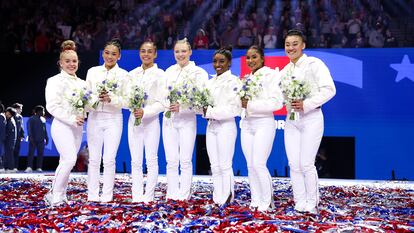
(149, 42)
(17, 105)
(258, 49)
(1, 108)
(12, 111)
(39, 109)
(296, 32)
(115, 42)
(225, 51)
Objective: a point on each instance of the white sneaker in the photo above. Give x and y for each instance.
(28, 169)
(310, 208)
(15, 170)
(39, 170)
(2, 170)
(300, 206)
(49, 200)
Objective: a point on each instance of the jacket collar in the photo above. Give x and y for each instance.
(66, 75)
(103, 68)
(186, 68)
(300, 61)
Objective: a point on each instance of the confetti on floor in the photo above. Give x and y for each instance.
(346, 206)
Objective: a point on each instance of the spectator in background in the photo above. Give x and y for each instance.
(229, 36)
(245, 40)
(313, 39)
(325, 26)
(323, 43)
(257, 36)
(376, 38)
(38, 138)
(42, 42)
(18, 118)
(270, 39)
(201, 40)
(170, 40)
(358, 41)
(354, 26)
(214, 40)
(337, 35)
(10, 140)
(2, 135)
(390, 40)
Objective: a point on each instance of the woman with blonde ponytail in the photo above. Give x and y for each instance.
(179, 130)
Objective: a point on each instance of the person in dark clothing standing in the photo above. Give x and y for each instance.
(2, 135)
(10, 140)
(18, 118)
(36, 130)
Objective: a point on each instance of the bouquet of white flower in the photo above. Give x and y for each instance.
(294, 89)
(79, 98)
(251, 87)
(181, 93)
(202, 99)
(109, 85)
(136, 100)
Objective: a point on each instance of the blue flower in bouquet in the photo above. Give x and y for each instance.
(201, 99)
(136, 100)
(294, 89)
(79, 99)
(181, 93)
(109, 85)
(250, 87)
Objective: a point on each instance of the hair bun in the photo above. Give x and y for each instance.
(68, 45)
(228, 47)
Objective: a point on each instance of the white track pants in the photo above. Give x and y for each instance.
(220, 142)
(67, 140)
(257, 135)
(302, 140)
(146, 135)
(104, 133)
(179, 136)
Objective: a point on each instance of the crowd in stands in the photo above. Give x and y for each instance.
(40, 26)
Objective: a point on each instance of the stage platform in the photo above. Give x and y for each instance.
(346, 206)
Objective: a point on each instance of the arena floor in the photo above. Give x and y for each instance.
(346, 206)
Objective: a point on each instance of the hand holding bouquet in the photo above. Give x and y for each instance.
(202, 99)
(251, 87)
(136, 100)
(181, 93)
(106, 87)
(293, 90)
(79, 98)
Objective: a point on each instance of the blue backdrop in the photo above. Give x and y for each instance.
(374, 104)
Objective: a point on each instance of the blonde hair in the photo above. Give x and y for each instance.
(66, 46)
(183, 41)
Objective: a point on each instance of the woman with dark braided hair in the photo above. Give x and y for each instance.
(221, 129)
(105, 121)
(258, 127)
